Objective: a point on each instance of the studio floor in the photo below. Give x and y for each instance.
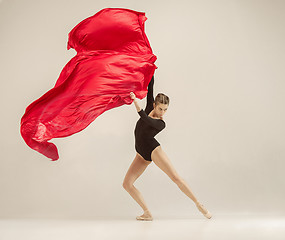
(218, 227)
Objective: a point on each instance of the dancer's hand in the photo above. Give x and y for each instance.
(132, 96)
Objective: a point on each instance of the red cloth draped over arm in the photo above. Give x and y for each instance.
(113, 59)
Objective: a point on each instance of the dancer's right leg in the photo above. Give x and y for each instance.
(136, 168)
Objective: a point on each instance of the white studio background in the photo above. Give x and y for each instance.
(222, 65)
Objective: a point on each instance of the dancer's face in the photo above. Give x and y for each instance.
(160, 109)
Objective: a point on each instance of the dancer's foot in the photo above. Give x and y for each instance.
(146, 216)
(203, 210)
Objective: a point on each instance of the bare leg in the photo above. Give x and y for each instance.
(162, 161)
(135, 170)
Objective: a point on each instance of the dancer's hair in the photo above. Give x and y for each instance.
(161, 98)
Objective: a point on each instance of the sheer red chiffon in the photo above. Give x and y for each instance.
(113, 58)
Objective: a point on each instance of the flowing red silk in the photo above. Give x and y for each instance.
(113, 58)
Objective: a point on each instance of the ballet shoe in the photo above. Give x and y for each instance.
(203, 210)
(142, 218)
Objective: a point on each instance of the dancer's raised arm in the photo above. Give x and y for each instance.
(133, 96)
(149, 99)
(156, 123)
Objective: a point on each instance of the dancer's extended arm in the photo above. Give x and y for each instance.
(156, 123)
(149, 98)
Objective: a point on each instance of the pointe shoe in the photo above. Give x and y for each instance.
(203, 210)
(144, 218)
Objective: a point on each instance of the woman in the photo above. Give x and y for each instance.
(148, 150)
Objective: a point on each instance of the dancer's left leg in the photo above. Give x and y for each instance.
(159, 157)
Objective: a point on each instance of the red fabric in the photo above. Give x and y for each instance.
(113, 59)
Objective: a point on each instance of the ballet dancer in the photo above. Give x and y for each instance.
(148, 149)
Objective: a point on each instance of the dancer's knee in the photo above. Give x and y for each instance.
(127, 186)
(177, 179)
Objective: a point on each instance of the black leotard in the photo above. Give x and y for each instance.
(147, 127)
